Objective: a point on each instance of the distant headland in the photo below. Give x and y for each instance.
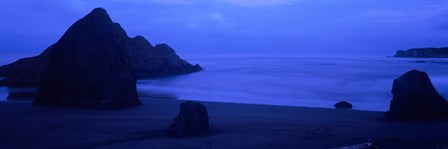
(423, 52)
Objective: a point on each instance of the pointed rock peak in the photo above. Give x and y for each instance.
(98, 14)
(96, 24)
(99, 10)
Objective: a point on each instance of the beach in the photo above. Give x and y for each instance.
(232, 126)
(283, 74)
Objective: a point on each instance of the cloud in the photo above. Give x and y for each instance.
(388, 14)
(208, 22)
(232, 2)
(419, 13)
(217, 16)
(204, 21)
(427, 18)
(257, 2)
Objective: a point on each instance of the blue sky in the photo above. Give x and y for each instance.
(297, 27)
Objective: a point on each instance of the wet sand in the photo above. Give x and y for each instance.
(233, 126)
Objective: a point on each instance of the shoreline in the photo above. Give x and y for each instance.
(218, 102)
(232, 125)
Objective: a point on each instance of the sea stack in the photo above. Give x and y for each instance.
(90, 67)
(415, 98)
(147, 60)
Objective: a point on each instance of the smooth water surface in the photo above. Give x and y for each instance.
(366, 82)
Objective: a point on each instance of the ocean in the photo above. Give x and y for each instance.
(366, 82)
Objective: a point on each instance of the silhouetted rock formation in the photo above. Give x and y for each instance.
(90, 67)
(423, 52)
(147, 61)
(191, 121)
(343, 105)
(26, 71)
(157, 60)
(415, 98)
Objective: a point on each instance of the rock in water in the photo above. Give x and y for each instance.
(157, 60)
(191, 121)
(415, 98)
(343, 105)
(90, 67)
(147, 61)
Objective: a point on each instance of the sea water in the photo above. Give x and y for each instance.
(3, 92)
(366, 82)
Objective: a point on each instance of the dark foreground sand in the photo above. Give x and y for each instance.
(233, 125)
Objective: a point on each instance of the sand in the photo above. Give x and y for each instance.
(233, 126)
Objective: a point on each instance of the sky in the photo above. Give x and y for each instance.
(279, 27)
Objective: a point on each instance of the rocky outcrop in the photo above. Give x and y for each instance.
(157, 60)
(343, 105)
(423, 52)
(191, 121)
(90, 67)
(147, 61)
(26, 71)
(415, 98)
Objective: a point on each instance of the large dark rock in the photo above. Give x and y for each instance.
(415, 98)
(423, 52)
(90, 67)
(191, 121)
(343, 105)
(147, 61)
